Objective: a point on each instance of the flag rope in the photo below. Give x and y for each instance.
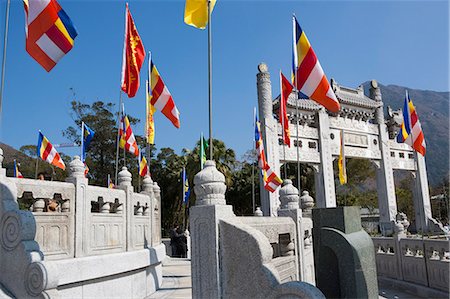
(5, 42)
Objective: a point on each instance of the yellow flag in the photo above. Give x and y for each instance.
(150, 123)
(196, 12)
(341, 162)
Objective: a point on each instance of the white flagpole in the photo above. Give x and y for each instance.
(5, 42)
(210, 82)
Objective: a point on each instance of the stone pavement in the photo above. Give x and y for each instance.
(176, 279)
(177, 283)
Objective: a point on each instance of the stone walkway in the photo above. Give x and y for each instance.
(177, 283)
(176, 279)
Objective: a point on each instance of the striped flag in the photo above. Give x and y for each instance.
(143, 166)
(150, 121)
(308, 76)
(271, 180)
(127, 139)
(286, 89)
(411, 131)
(49, 32)
(161, 98)
(47, 152)
(196, 12)
(133, 56)
(17, 173)
(341, 162)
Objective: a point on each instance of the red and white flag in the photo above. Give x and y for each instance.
(308, 75)
(127, 139)
(161, 98)
(286, 89)
(49, 32)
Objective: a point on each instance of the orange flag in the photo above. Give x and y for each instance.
(286, 89)
(133, 56)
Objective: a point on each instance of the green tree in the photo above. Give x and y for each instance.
(102, 118)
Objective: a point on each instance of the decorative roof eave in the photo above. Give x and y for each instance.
(345, 95)
(303, 104)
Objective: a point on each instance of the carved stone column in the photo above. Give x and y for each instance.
(147, 188)
(209, 209)
(421, 195)
(307, 203)
(385, 178)
(157, 213)
(124, 180)
(82, 207)
(325, 189)
(269, 201)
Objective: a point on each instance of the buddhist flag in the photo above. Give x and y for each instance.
(47, 152)
(196, 12)
(143, 166)
(309, 77)
(133, 56)
(286, 89)
(149, 112)
(161, 98)
(127, 139)
(270, 178)
(49, 32)
(17, 173)
(411, 131)
(341, 162)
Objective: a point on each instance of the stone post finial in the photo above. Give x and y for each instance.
(147, 184)
(76, 168)
(258, 212)
(289, 196)
(124, 177)
(209, 185)
(306, 201)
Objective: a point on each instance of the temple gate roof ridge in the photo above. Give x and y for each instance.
(345, 95)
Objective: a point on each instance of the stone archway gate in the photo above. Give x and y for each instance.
(367, 134)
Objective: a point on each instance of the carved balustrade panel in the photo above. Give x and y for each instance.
(106, 220)
(142, 221)
(413, 261)
(386, 257)
(52, 204)
(438, 263)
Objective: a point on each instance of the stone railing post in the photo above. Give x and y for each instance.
(124, 178)
(290, 208)
(147, 188)
(82, 206)
(210, 207)
(157, 214)
(22, 272)
(307, 203)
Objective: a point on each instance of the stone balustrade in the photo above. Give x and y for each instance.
(63, 238)
(424, 262)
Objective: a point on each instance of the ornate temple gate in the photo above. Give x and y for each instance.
(367, 135)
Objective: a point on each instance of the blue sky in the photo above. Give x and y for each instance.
(396, 42)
